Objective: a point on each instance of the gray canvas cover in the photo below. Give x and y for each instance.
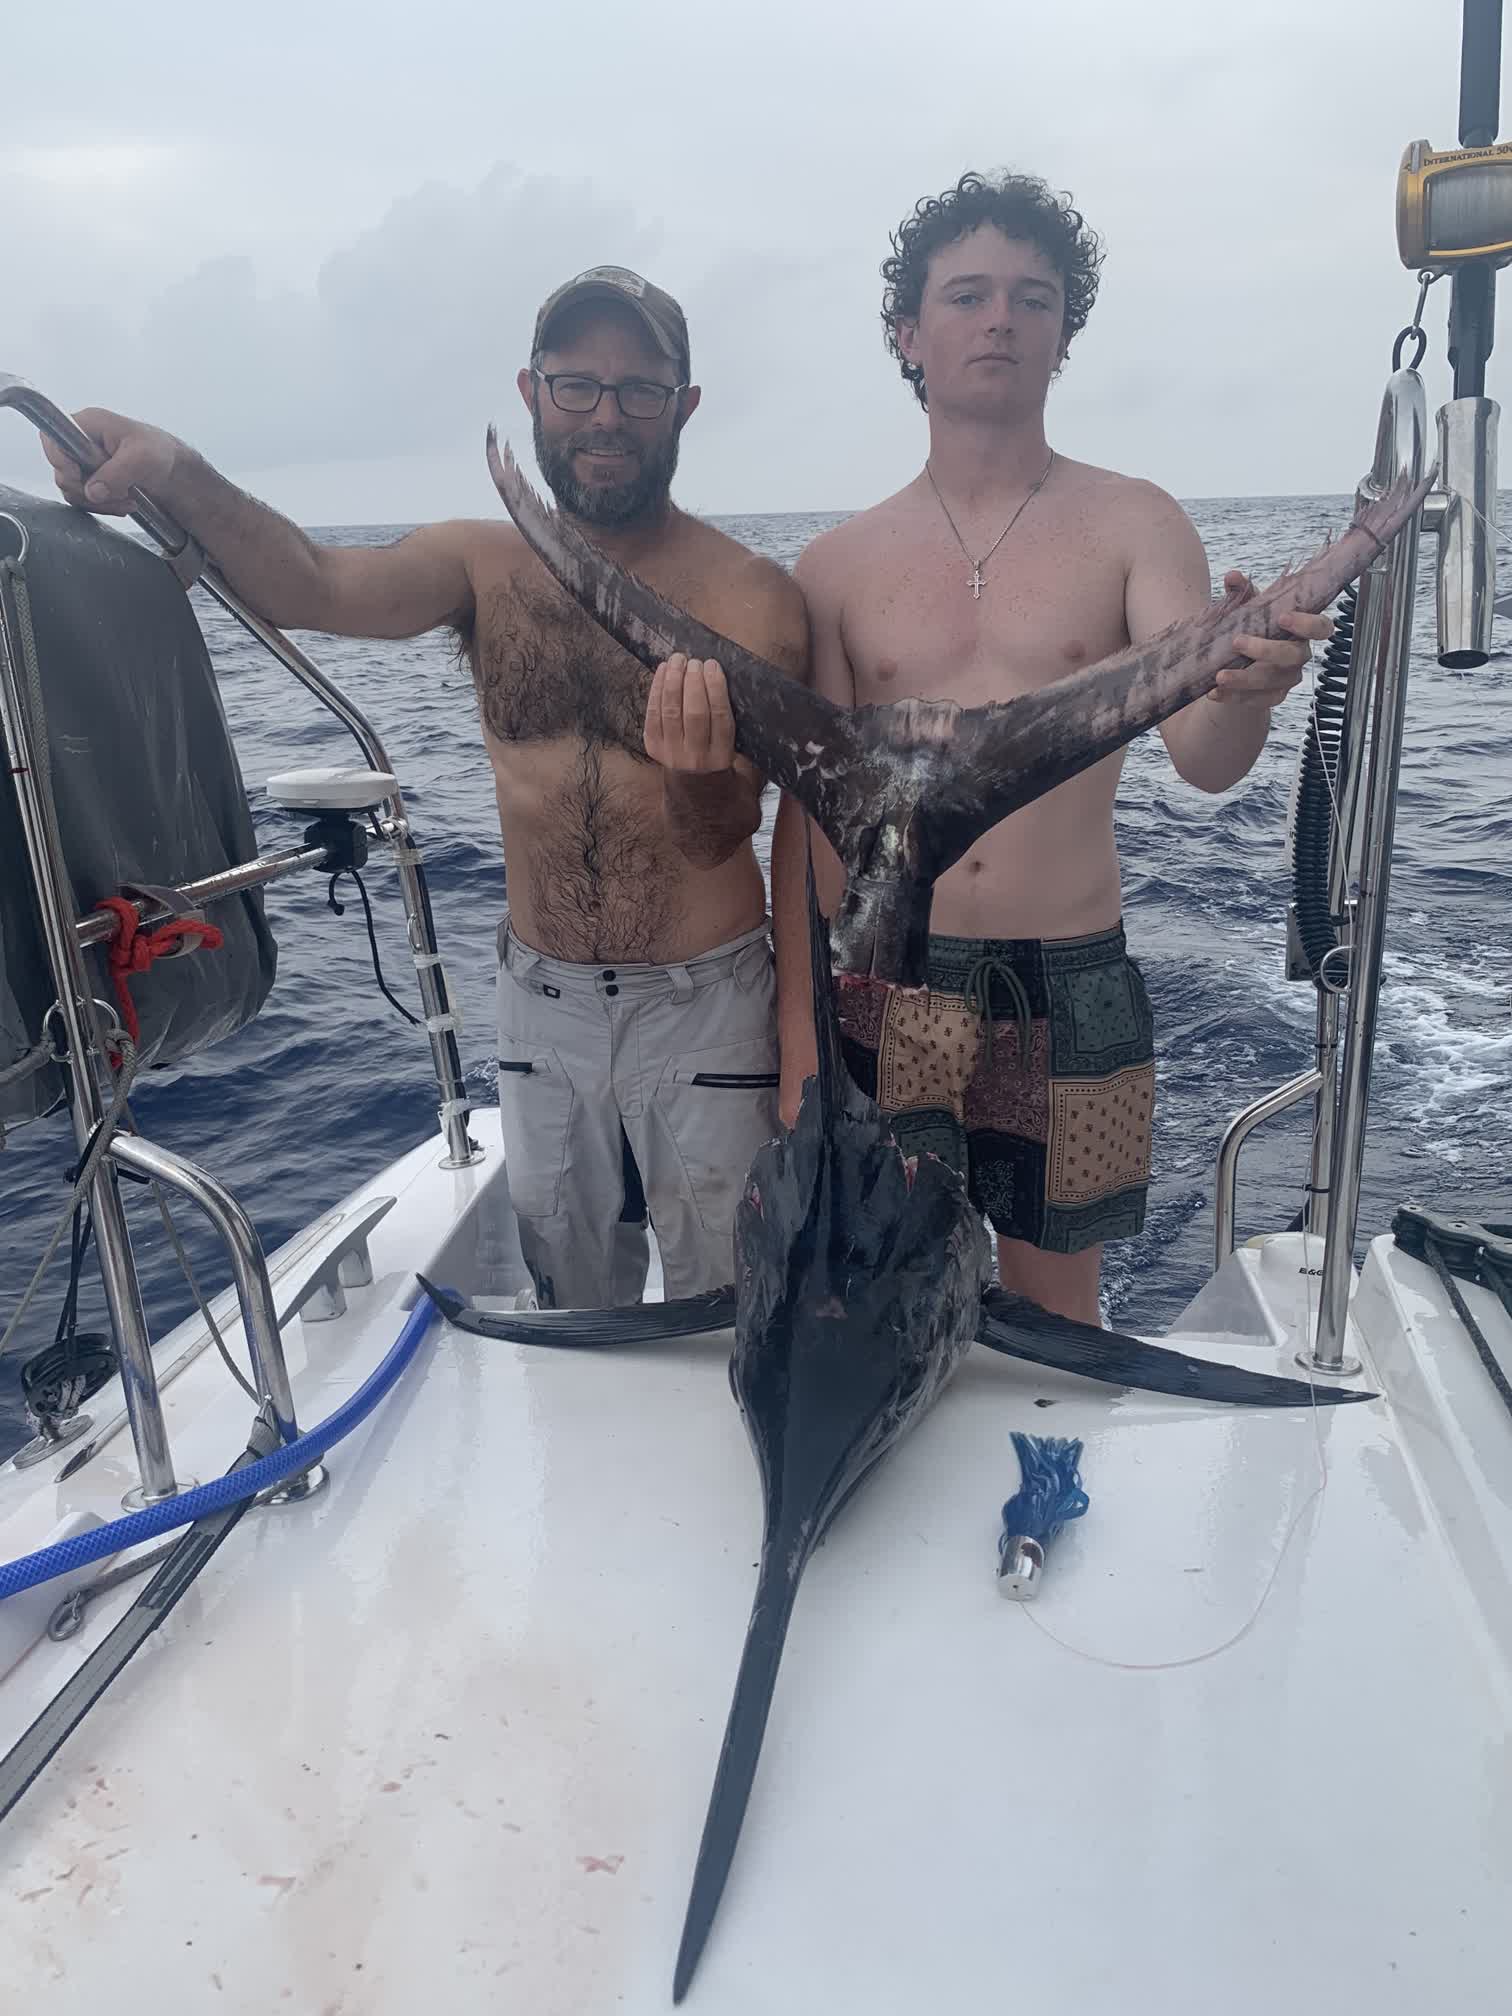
(147, 789)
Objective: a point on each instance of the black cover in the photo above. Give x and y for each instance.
(147, 789)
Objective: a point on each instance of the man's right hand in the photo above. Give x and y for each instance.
(689, 725)
(135, 454)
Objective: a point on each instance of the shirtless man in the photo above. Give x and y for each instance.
(998, 569)
(637, 1035)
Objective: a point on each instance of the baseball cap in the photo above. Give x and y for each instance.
(664, 320)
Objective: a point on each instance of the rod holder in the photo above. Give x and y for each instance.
(1466, 564)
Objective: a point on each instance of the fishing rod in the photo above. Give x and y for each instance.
(1454, 221)
(1454, 218)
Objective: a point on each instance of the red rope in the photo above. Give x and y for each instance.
(132, 950)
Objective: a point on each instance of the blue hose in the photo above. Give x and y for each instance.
(183, 1510)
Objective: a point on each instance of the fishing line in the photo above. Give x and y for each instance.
(1501, 538)
(1320, 1489)
(1314, 1497)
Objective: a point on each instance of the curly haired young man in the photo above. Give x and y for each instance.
(1001, 567)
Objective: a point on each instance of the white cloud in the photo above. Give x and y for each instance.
(313, 240)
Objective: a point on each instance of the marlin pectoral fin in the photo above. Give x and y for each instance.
(639, 1323)
(1019, 1328)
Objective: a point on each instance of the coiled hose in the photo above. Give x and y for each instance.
(66, 1555)
(1317, 784)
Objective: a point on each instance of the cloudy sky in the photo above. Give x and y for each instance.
(311, 238)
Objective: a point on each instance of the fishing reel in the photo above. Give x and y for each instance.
(1453, 217)
(1454, 207)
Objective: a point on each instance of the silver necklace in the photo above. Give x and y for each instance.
(975, 583)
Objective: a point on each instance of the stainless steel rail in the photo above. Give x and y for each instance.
(191, 567)
(75, 1022)
(1401, 445)
(49, 874)
(1239, 1129)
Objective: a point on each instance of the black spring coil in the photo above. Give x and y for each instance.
(1318, 780)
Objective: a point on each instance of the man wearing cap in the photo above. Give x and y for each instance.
(637, 1036)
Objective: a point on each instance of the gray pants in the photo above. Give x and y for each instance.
(668, 1072)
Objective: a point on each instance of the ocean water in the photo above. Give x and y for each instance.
(329, 1083)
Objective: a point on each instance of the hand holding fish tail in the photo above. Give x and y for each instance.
(1007, 755)
(1265, 669)
(793, 735)
(689, 723)
(712, 799)
(901, 792)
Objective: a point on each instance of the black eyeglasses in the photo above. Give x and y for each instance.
(637, 398)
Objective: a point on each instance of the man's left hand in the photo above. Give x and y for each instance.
(1277, 662)
(689, 724)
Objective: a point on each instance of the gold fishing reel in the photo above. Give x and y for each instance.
(1455, 207)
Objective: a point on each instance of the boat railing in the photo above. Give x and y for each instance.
(1454, 217)
(1364, 792)
(1401, 447)
(192, 568)
(78, 1023)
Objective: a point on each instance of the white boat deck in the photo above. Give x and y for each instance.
(443, 1738)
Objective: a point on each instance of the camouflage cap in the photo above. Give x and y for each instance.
(664, 320)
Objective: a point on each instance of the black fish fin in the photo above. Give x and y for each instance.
(776, 1589)
(638, 1323)
(452, 1306)
(1021, 1329)
(781, 724)
(850, 768)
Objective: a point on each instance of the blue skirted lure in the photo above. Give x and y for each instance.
(1050, 1494)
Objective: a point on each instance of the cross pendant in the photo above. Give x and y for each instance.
(976, 581)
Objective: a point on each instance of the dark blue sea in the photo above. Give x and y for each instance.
(329, 1084)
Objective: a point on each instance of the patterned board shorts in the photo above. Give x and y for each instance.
(1026, 1063)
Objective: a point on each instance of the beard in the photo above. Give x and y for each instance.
(609, 505)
